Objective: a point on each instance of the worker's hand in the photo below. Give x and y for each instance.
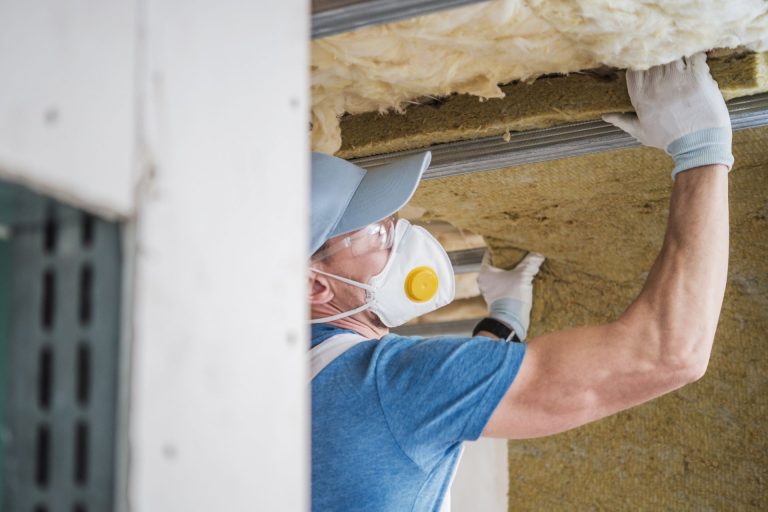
(509, 293)
(679, 109)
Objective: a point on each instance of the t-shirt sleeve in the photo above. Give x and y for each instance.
(435, 392)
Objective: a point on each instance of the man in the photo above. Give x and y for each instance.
(390, 413)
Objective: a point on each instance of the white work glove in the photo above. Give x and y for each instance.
(509, 293)
(680, 110)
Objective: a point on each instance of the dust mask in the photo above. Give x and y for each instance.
(417, 279)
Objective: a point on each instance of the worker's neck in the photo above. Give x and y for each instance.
(361, 326)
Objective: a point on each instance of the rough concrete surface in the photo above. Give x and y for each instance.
(600, 221)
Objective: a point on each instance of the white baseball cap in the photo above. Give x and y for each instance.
(346, 197)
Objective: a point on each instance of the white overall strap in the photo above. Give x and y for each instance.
(446, 505)
(323, 354)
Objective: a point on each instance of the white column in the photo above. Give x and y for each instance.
(219, 400)
(482, 480)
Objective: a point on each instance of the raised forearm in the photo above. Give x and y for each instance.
(663, 340)
(679, 306)
(659, 344)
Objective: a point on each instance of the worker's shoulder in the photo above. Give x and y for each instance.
(404, 342)
(395, 346)
(435, 341)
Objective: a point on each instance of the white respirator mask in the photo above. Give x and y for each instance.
(417, 279)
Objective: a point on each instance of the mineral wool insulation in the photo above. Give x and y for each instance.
(600, 220)
(475, 48)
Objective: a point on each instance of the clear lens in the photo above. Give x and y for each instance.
(374, 237)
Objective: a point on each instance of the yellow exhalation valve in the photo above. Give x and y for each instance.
(421, 284)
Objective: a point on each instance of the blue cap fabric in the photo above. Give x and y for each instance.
(345, 197)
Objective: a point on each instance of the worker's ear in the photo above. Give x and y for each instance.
(320, 291)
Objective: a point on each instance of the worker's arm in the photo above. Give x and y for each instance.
(664, 339)
(660, 343)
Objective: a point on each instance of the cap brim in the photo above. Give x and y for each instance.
(382, 192)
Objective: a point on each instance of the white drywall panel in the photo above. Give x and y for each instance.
(67, 100)
(219, 402)
(482, 480)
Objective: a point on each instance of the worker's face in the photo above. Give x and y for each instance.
(360, 268)
(352, 263)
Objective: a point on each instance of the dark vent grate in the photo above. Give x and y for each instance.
(60, 354)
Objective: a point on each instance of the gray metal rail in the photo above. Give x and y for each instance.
(335, 16)
(466, 260)
(452, 327)
(562, 141)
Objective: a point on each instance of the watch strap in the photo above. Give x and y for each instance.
(496, 327)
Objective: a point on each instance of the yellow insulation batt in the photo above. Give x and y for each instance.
(599, 218)
(545, 102)
(600, 221)
(475, 48)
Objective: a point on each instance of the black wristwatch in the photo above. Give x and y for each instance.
(500, 329)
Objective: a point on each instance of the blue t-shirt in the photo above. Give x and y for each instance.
(389, 417)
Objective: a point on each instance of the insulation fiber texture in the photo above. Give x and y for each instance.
(545, 102)
(600, 221)
(473, 49)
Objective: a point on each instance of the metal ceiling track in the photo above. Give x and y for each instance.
(466, 260)
(449, 327)
(562, 141)
(331, 17)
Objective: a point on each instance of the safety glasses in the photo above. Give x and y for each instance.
(374, 237)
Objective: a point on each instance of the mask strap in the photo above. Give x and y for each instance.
(343, 314)
(344, 279)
